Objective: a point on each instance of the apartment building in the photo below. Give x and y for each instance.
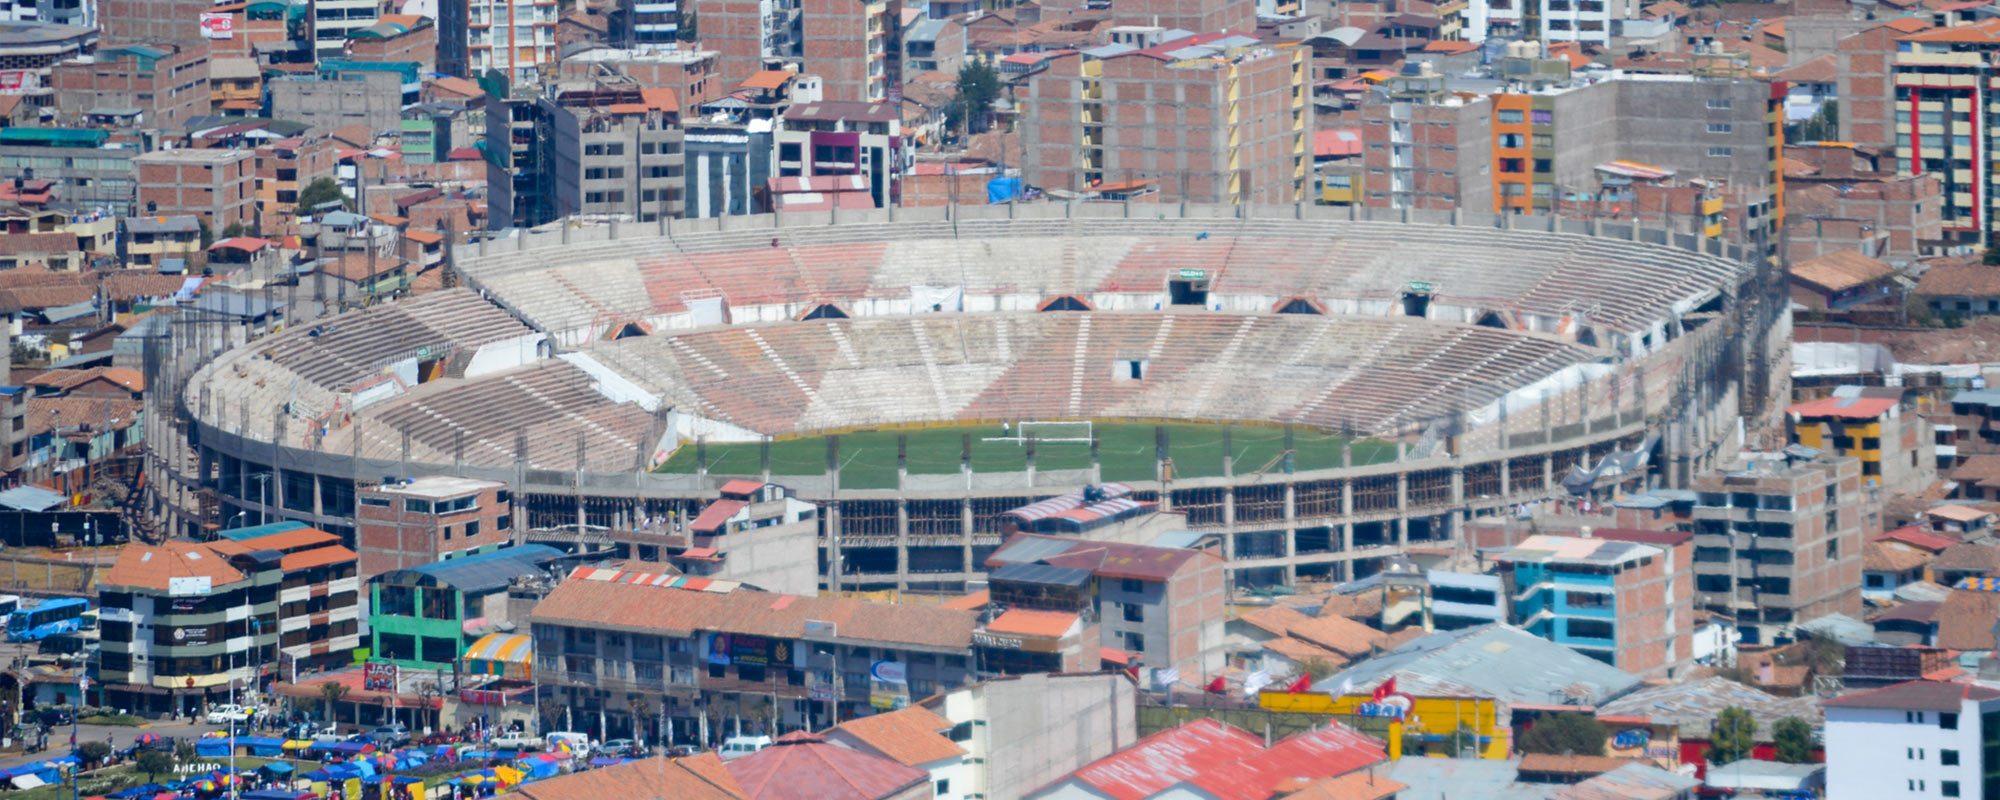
(1214, 118)
(342, 93)
(1778, 541)
(182, 621)
(832, 138)
(691, 74)
(87, 168)
(728, 167)
(152, 20)
(1162, 605)
(1940, 80)
(166, 84)
(150, 241)
(81, 13)
(1896, 448)
(284, 167)
(216, 186)
(616, 150)
(1972, 426)
(1426, 148)
(1923, 738)
(333, 21)
(855, 46)
(756, 533)
(396, 37)
(1187, 15)
(426, 520)
(515, 37)
(1850, 198)
(697, 653)
(418, 617)
(1591, 21)
(1624, 603)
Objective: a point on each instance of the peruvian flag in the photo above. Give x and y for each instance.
(1217, 686)
(1387, 688)
(1303, 683)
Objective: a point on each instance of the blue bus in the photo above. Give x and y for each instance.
(61, 615)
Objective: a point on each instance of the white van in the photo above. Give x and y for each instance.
(739, 746)
(579, 743)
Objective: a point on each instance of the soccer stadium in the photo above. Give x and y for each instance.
(1316, 387)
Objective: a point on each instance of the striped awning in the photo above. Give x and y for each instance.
(660, 579)
(1057, 506)
(1099, 511)
(509, 654)
(1978, 584)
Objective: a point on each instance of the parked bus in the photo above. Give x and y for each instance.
(88, 621)
(61, 615)
(8, 604)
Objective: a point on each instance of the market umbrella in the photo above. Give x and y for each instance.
(146, 738)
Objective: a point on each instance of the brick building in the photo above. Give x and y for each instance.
(616, 151)
(175, 21)
(1187, 15)
(855, 47)
(430, 519)
(516, 37)
(396, 37)
(1215, 118)
(1846, 197)
(1162, 605)
(692, 74)
(167, 83)
(217, 186)
(286, 166)
(1626, 601)
(1778, 542)
(1425, 148)
(1867, 98)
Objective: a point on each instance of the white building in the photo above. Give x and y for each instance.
(1916, 739)
(1593, 21)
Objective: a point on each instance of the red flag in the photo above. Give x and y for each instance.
(1387, 688)
(1216, 685)
(1303, 683)
(1133, 671)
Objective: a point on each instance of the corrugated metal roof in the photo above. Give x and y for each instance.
(1041, 574)
(1498, 661)
(31, 498)
(481, 573)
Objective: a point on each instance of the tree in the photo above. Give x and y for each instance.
(690, 27)
(331, 692)
(1318, 668)
(319, 192)
(93, 752)
(978, 87)
(1734, 735)
(1793, 737)
(153, 763)
(184, 751)
(235, 229)
(1568, 732)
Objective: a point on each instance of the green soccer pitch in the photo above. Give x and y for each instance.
(868, 458)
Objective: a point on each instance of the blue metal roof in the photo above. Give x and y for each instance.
(31, 498)
(481, 573)
(254, 531)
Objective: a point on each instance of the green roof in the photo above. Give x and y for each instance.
(55, 137)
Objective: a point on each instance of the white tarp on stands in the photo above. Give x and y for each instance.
(1529, 396)
(943, 298)
(1840, 358)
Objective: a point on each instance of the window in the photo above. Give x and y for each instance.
(440, 650)
(472, 529)
(1948, 721)
(1131, 585)
(1135, 612)
(1718, 127)
(1542, 116)
(1511, 165)
(1510, 116)
(1948, 758)
(1720, 152)
(1135, 642)
(1948, 788)
(962, 732)
(375, 502)
(1913, 753)
(415, 506)
(503, 522)
(944, 788)
(1719, 104)
(1916, 717)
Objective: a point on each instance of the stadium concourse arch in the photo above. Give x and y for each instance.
(1462, 363)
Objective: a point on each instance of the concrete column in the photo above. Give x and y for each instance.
(902, 543)
(1347, 498)
(1505, 472)
(318, 509)
(1548, 472)
(1402, 531)
(1346, 548)
(1402, 492)
(1291, 545)
(1458, 485)
(965, 540)
(1291, 503)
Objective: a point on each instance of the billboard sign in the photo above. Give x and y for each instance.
(196, 586)
(379, 677)
(217, 26)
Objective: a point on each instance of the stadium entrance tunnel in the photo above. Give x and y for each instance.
(1065, 302)
(1491, 319)
(1188, 293)
(1300, 305)
(1416, 305)
(823, 311)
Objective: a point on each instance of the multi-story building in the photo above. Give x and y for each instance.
(1006, 724)
(515, 37)
(616, 150)
(1897, 448)
(756, 533)
(1942, 78)
(1972, 426)
(855, 46)
(840, 138)
(1592, 21)
(1215, 118)
(1923, 738)
(934, 45)
(1778, 541)
(728, 166)
(286, 166)
(89, 170)
(167, 83)
(1426, 148)
(1164, 605)
(696, 653)
(217, 186)
(1625, 603)
(396, 37)
(182, 621)
(343, 93)
(1188, 15)
(334, 20)
(648, 24)
(691, 74)
(417, 616)
(80, 13)
(1849, 198)
(431, 519)
(150, 241)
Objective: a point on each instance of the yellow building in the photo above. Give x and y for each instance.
(1435, 719)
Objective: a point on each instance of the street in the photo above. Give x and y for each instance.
(121, 738)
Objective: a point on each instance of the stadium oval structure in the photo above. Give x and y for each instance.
(1474, 367)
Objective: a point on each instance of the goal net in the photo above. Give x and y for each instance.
(1069, 431)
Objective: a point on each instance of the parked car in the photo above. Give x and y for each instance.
(618, 747)
(227, 713)
(394, 734)
(740, 746)
(516, 740)
(441, 738)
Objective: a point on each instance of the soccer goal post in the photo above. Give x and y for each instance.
(1044, 431)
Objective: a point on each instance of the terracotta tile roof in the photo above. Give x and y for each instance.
(16, 244)
(803, 766)
(767, 79)
(1352, 786)
(1984, 32)
(908, 736)
(1919, 538)
(1030, 622)
(423, 236)
(1879, 557)
(1841, 270)
(681, 611)
(1363, 606)
(1981, 470)
(1905, 24)
(149, 566)
(1965, 621)
(1968, 556)
(971, 602)
(1339, 634)
(66, 379)
(316, 557)
(702, 777)
(130, 285)
(48, 413)
(1302, 651)
(291, 541)
(1960, 280)
(39, 297)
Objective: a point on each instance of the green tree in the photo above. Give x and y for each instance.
(978, 87)
(153, 763)
(1318, 668)
(93, 753)
(207, 233)
(331, 692)
(236, 229)
(321, 191)
(1793, 736)
(184, 751)
(1734, 735)
(689, 29)
(1567, 732)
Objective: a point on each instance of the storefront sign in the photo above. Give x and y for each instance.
(1389, 708)
(890, 672)
(190, 636)
(1010, 642)
(190, 587)
(759, 650)
(825, 692)
(378, 677)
